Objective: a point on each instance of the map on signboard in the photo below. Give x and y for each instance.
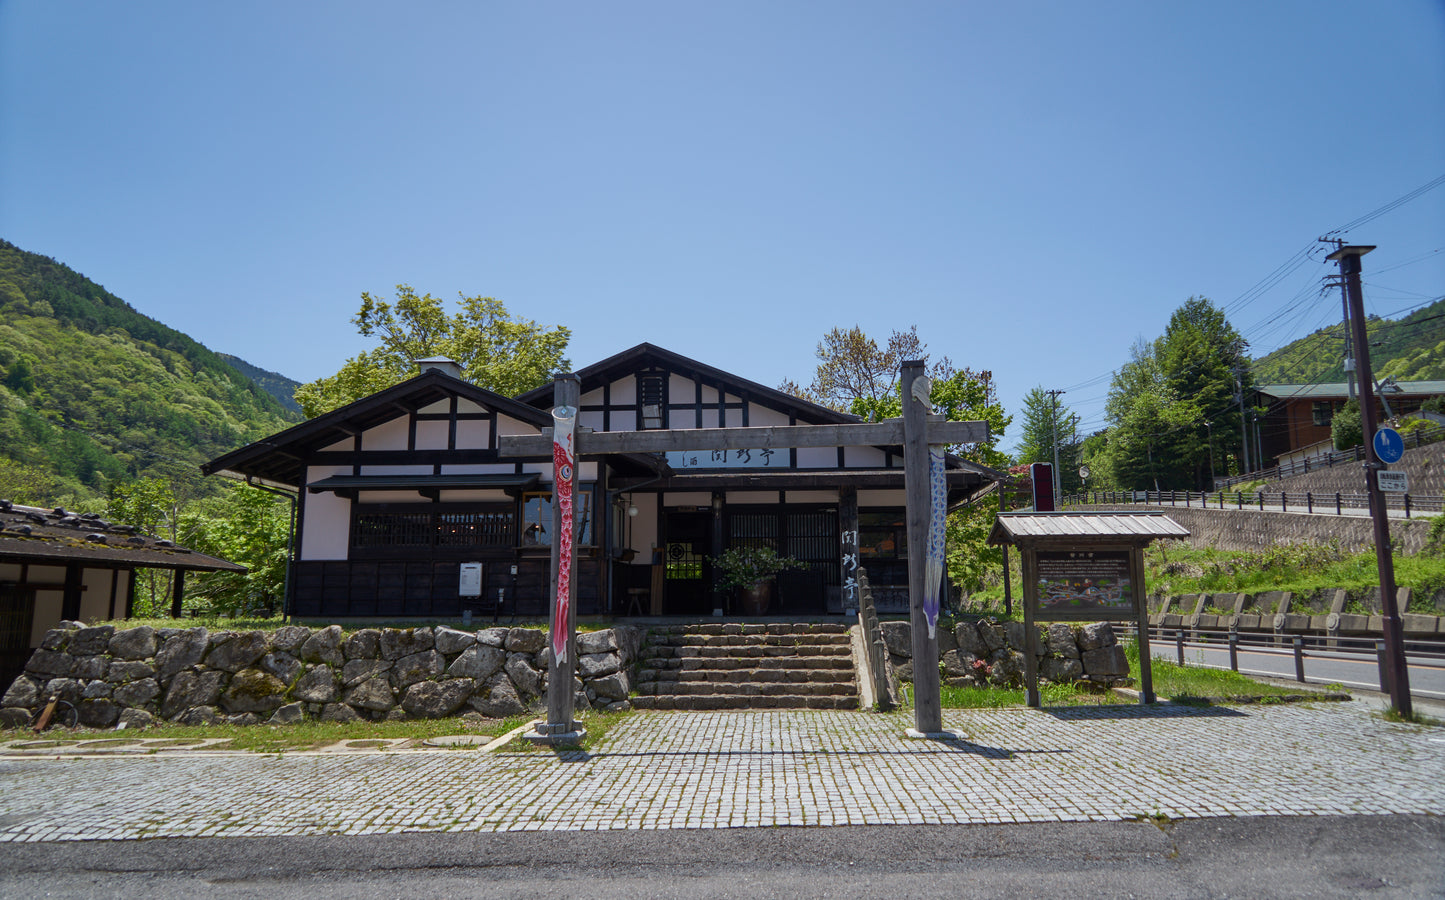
(1077, 582)
(728, 459)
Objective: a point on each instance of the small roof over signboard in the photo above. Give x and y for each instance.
(1119, 527)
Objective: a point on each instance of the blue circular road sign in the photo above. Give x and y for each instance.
(1389, 446)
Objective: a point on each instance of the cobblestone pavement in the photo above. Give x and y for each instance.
(764, 768)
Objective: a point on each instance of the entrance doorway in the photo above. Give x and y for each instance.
(808, 535)
(687, 563)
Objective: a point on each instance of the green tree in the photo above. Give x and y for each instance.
(1202, 358)
(150, 505)
(1347, 428)
(855, 373)
(25, 484)
(249, 527)
(1045, 419)
(1145, 418)
(506, 355)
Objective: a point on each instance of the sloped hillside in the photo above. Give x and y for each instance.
(93, 392)
(1411, 348)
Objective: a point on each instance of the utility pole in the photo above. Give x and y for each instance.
(1349, 363)
(1054, 422)
(1243, 423)
(1397, 675)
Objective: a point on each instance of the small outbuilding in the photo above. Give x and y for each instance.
(57, 565)
(1084, 567)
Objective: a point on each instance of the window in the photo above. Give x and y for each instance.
(420, 531)
(1324, 413)
(883, 535)
(650, 388)
(537, 517)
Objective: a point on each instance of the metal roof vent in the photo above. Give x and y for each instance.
(442, 365)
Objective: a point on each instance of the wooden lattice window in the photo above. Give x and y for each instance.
(409, 532)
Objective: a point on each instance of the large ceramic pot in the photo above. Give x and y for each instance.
(757, 599)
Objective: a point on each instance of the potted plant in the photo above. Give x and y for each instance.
(752, 570)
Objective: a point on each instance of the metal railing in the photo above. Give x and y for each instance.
(1337, 503)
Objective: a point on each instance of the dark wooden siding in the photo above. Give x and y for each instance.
(409, 589)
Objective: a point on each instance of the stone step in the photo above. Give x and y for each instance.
(717, 701)
(749, 640)
(739, 628)
(743, 676)
(747, 689)
(838, 662)
(755, 652)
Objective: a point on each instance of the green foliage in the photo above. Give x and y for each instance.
(1408, 349)
(249, 527)
(147, 503)
(1044, 417)
(743, 567)
(1346, 428)
(92, 393)
(25, 484)
(972, 564)
(505, 355)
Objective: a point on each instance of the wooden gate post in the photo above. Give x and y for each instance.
(927, 701)
(561, 697)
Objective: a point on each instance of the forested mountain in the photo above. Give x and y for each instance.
(93, 393)
(1407, 349)
(273, 383)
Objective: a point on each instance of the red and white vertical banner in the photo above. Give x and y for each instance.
(564, 475)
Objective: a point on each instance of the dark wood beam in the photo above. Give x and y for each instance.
(877, 434)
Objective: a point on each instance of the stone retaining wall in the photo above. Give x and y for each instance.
(192, 676)
(1250, 529)
(991, 652)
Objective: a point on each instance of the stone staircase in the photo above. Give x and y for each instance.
(736, 666)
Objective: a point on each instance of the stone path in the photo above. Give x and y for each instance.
(763, 768)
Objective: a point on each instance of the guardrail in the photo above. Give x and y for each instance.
(1417, 438)
(1285, 501)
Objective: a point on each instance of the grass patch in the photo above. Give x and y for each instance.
(1184, 684)
(595, 722)
(307, 735)
(1394, 715)
(991, 697)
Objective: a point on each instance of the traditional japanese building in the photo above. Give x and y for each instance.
(406, 506)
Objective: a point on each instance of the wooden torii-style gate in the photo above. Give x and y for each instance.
(915, 430)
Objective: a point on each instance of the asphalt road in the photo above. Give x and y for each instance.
(1382, 856)
(1352, 670)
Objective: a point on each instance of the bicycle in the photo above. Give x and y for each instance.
(56, 712)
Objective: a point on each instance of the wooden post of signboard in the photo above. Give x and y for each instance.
(1146, 658)
(1031, 603)
(927, 701)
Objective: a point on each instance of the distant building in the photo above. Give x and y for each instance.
(1298, 417)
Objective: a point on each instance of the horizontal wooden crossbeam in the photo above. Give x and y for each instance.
(775, 437)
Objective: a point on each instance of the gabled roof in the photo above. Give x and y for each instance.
(645, 356)
(1127, 527)
(57, 537)
(279, 458)
(1341, 390)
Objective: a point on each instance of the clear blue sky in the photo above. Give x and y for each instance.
(1034, 185)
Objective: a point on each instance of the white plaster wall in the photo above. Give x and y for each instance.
(389, 435)
(865, 456)
(687, 498)
(509, 425)
(735, 418)
(441, 406)
(590, 419)
(396, 470)
(340, 446)
(432, 435)
(709, 395)
(48, 605)
(623, 393)
(467, 406)
(644, 527)
(817, 458)
(326, 529)
(9, 571)
(762, 416)
(681, 390)
(591, 398)
(479, 469)
(474, 434)
(95, 598)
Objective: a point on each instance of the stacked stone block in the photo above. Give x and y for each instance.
(991, 652)
(193, 676)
